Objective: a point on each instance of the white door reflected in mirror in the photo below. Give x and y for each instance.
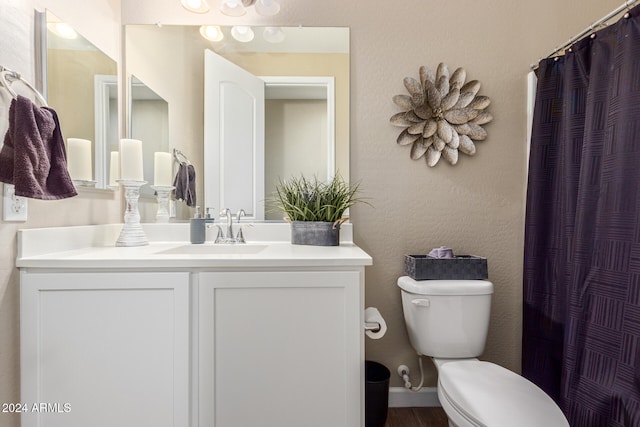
(233, 137)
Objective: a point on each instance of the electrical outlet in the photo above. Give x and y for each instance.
(14, 208)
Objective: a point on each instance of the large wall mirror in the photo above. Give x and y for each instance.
(81, 84)
(305, 73)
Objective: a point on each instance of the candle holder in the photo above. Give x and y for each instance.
(132, 233)
(162, 215)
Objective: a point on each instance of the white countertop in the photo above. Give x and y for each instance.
(94, 247)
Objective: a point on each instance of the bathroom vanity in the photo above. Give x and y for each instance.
(174, 334)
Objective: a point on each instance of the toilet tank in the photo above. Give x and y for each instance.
(447, 318)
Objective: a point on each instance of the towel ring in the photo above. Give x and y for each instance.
(180, 157)
(7, 77)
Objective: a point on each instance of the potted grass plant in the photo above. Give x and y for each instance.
(315, 208)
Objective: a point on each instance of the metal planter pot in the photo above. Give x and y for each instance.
(315, 233)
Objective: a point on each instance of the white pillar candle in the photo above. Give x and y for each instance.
(162, 166)
(131, 168)
(114, 169)
(79, 159)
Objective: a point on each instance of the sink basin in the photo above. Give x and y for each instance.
(213, 249)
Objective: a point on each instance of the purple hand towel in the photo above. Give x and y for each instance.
(33, 157)
(185, 183)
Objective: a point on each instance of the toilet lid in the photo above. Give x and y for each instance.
(490, 395)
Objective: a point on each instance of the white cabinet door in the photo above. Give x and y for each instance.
(280, 349)
(105, 349)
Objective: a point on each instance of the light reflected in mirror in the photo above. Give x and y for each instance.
(82, 87)
(148, 122)
(170, 58)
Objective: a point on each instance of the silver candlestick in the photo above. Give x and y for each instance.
(132, 233)
(162, 215)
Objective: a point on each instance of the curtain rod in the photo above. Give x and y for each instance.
(625, 6)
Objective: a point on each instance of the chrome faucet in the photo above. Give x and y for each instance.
(227, 212)
(240, 236)
(229, 238)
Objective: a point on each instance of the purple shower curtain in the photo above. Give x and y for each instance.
(581, 331)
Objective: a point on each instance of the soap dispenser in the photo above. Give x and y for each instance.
(198, 230)
(208, 218)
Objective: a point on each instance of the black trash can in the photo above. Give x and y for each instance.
(376, 394)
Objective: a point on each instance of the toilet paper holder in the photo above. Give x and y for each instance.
(372, 326)
(375, 326)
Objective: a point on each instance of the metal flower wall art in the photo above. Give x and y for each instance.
(441, 115)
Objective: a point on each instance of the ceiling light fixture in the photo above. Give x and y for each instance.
(267, 7)
(242, 33)
(273, 34)
(239, 7)
(211, 32)
(233, 8)
(195, 6)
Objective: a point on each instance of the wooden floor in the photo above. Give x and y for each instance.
(417, 417)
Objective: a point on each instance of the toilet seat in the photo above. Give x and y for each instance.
(485, 394)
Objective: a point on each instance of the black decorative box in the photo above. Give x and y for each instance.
(461, 267)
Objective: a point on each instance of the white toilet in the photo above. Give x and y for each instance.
(448, 320)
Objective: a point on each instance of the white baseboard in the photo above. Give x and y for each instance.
(400, 397)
